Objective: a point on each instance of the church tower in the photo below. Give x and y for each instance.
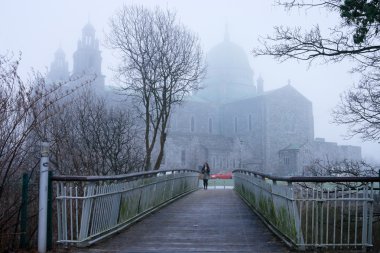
(59, 69)
(87, 58)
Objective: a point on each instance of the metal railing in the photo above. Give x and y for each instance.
(312, 212)
(91, 208)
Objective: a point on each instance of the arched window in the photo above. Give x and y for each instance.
(192, 124)
(210, 125)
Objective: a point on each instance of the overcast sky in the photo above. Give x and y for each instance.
(38, 28)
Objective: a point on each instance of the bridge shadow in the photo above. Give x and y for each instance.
(203, 221)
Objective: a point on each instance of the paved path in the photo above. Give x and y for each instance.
(203, 221)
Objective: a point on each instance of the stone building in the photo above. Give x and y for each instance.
(295, 158)
(233, 123)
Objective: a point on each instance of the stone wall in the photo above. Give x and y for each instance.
(288, 120)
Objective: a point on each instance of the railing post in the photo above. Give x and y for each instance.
(365, 218)
(371, 204)
(43, 195)
(49, 243)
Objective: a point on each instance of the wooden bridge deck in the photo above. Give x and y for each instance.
(203, 221)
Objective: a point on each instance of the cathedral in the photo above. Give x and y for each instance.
(231, 122)
(87, 60)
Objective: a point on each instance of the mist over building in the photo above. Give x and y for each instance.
(232, 121)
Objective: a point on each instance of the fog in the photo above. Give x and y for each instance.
(38, 28)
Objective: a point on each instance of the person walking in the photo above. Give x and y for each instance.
(206, 175)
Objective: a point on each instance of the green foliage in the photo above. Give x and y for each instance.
(365, 15)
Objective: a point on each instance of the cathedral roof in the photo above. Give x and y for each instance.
(227, 56)
(59, 54)
(88, 29)
(229, 75)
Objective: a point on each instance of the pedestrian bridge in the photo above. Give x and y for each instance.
(165, 211)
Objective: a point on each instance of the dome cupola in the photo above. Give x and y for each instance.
(229, 75)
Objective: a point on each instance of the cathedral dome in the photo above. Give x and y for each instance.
(88, 30)
(229, 76)
(59, 54)
(229, 62)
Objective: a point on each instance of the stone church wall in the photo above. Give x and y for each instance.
(288, 121)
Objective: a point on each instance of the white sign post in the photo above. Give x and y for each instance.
(43, 197)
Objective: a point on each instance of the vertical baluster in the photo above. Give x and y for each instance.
(365, 216)
(335, 200)
(316, 216)
(307, 216)
(71, 213)
(327, 215)
(322, 201)
(370, 217)
(64, 214)
(59, 202)
(300, 210)
(341, 218)
(312, 217)
(94, 207)
(114, 210)
(76, 213)
(87, 206)
(104, 208)
(356, 216)
(349, 216)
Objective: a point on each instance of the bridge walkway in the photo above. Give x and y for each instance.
(203, 221)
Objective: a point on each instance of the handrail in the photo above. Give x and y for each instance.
(312, 216)
(316, 179)
(127, 177)
(90, 208)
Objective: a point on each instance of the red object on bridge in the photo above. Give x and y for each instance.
(227, 175)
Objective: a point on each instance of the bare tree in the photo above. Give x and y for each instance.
(24, 109)
(359, 108)
(357, 38)
(90, 137)
(352, 38)
(344, 167)
(161, 63)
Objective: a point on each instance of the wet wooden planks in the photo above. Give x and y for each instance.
(203, 221)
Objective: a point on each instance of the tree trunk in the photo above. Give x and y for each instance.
(161, 153)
